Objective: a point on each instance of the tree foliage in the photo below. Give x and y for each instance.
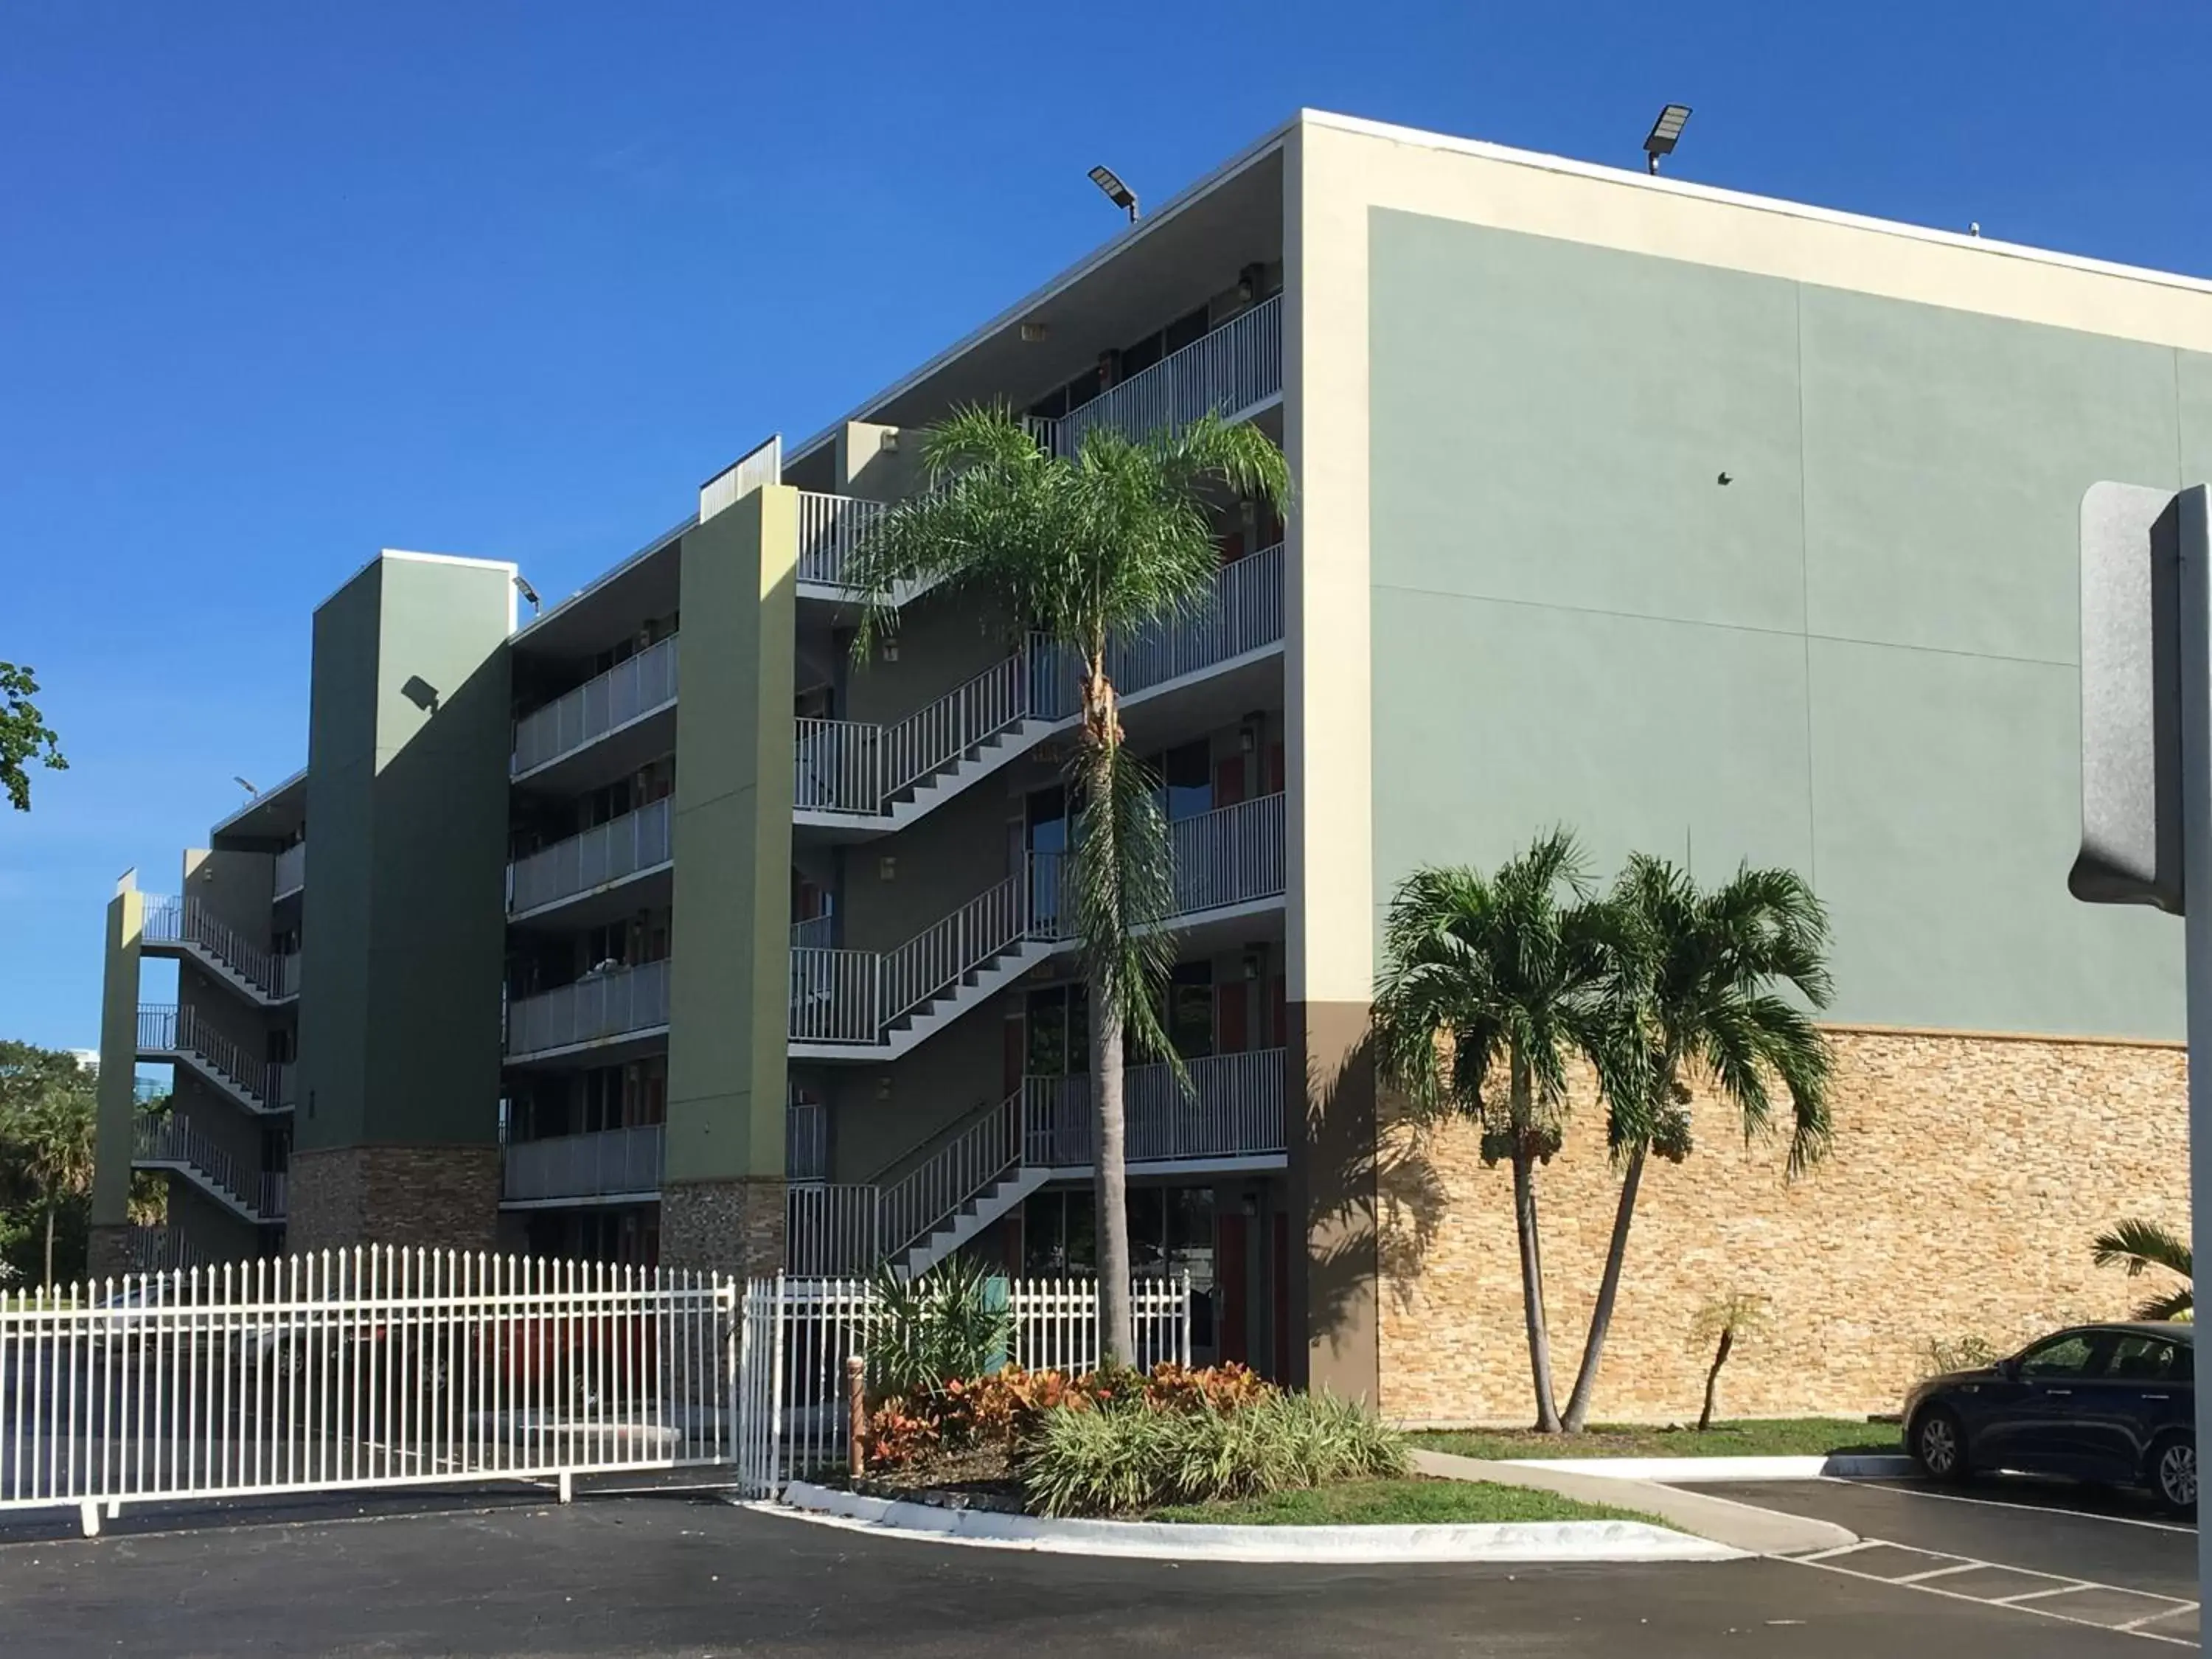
(25, 739)
(2136, 1245)
(47, 1111)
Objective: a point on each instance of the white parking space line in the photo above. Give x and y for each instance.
(2039, 1602)
(2007, 1504)
(1830, 1555)
(1963, 1565)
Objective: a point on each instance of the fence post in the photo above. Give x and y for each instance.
(856, 1406)
(776, 1396)
(1185, 1355)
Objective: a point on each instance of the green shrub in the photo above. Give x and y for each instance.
(928, 1331)
(1133, 1456)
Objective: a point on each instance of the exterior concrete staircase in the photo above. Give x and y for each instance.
(184, 927)
(867, 1004)
(969, 1219)
(178, 1036)
(172, 1143)
(974, 1174)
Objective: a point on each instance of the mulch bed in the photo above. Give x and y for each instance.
(979, 1478)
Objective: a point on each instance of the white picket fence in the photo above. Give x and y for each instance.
(793, 1409)
(388, 1367)
(364, 1368)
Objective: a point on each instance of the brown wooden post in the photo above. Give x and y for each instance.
(856, 1396)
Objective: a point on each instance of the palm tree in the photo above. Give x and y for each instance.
(1084, 551)
(1510, 968)
(1697, 996)
(2138, 1244)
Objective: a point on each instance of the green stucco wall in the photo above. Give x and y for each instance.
(729, 980)
(403, 925)
(1858, 657)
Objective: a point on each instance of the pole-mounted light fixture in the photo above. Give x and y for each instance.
(243, 784)
(527, 592)
(1116, 192)
(1664, 132)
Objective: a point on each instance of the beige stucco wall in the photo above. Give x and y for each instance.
(1966, 1178)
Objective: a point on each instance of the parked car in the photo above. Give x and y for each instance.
(2115, 1404)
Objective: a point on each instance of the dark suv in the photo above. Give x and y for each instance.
(2109, 1403)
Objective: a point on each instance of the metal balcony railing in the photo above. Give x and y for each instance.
(1234, 1109)
(598, 1006)
(596, 1165)
(189, 923)
(608, 852)
(165, 1029)
(291, 874)
(814, 934)
(1224, 373)
(634, 687)
(831, 528)
(1230, 856)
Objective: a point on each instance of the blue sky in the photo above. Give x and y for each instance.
(281, 285)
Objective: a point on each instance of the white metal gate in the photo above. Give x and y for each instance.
(391, 1367)
(364, 1368)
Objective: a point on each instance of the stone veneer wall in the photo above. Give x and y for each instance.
(107, 1252)
(733, 1227)
(1967, 1176)
(444, 1197)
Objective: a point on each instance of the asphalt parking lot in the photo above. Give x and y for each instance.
(684, 1573)
(2044, 1549)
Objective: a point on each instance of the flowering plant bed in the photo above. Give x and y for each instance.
(1116, 1443)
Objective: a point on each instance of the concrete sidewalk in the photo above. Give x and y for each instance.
(1740, 1526)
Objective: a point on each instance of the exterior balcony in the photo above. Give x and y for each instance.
(172, 1143)
(609, 1166)
(186, 929)
(873, 1005)
(1234, 371)
(604, 729)
(853, 779)
(1230, 1119)
(611, 870)
(601, 1019)
(170, 1036)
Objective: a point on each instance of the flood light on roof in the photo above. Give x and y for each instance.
(1664, 132)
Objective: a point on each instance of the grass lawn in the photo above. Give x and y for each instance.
(1772, 1436)
(1395, 1503)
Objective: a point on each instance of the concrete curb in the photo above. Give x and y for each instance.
(1693, 1471)
(1737, 1526)
(1500, 1541)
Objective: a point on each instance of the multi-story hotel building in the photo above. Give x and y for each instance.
(656, 927)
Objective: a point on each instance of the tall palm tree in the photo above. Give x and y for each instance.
(1509, 969)
(1697, 994)
(1084, 551)
(2137, 1244)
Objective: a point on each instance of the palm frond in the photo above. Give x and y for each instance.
(1124, 891)
(1705, 970)
(2136, 1245)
